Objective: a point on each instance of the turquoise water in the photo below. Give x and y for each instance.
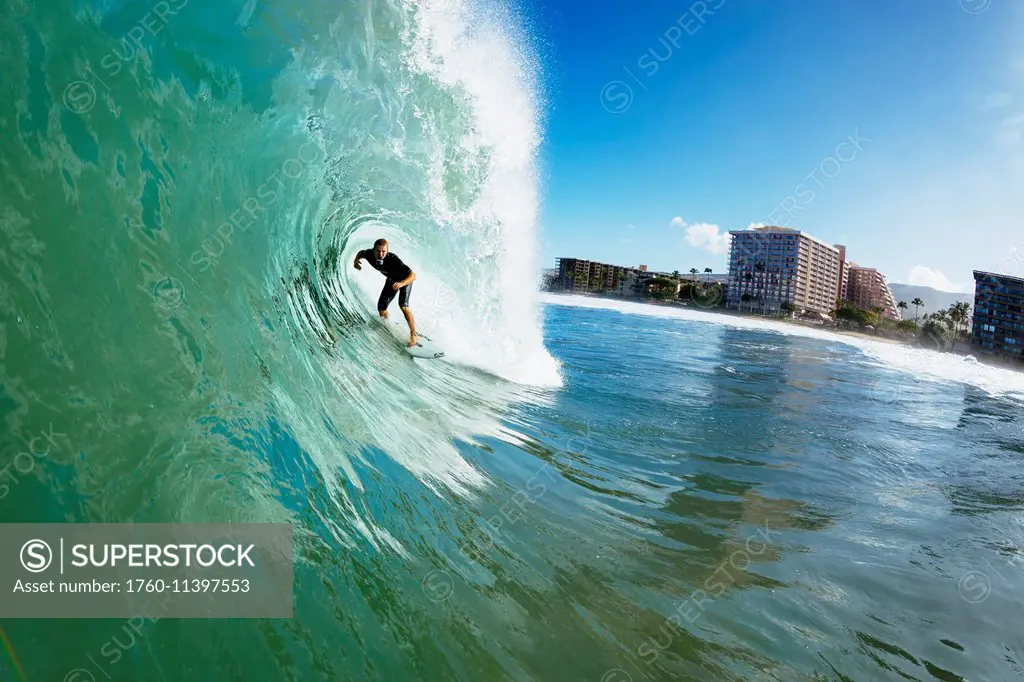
(573, 493)
(697, 501)
(780, 504)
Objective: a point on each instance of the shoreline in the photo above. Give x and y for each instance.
(735, 313)
(850, 332)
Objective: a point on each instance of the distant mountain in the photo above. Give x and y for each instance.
(934, 299)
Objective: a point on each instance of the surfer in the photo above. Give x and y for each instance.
(399, 279)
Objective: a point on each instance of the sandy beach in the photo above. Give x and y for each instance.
(735, 313)
(848, 332)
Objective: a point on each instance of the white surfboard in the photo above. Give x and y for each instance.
(425, 347)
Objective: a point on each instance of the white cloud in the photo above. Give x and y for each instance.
(1012, 121)
(677, 222)
(705, 236)
(753, 226)
(922, 275)
(998, 99)
(1009, 138)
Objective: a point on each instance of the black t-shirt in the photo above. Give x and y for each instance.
(392, 266)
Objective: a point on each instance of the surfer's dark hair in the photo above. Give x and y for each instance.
(380, 242)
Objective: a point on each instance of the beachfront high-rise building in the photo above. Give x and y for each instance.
(844, 272)
(868, 289)
(573, 275)
(577, 275)
(772, 266)
(999, 315)
(580, 276)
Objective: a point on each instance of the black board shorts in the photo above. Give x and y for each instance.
(387, 294)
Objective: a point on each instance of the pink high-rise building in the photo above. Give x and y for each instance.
(867, 288)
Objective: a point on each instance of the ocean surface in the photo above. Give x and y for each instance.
(580, 490)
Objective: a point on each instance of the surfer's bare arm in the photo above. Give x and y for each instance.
(408, 280)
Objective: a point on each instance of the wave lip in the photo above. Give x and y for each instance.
(206, 204)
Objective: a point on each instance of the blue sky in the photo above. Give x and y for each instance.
(739, 116)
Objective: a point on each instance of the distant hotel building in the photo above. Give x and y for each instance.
(574, 274)
(999, 315)
(579, 276)
(772, 266)
(867, 289)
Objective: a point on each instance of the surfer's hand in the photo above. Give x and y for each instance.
(357, 265)
(396, 286)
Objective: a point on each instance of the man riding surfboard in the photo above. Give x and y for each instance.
(399, 279)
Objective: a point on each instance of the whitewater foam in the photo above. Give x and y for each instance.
(475, 259)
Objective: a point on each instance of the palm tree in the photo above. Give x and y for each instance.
(694, 271)
(953, 315)
(958, 313)
(917, 303)
(707, 271)
(675, 274)
(966, 307)
(902, 305)
(659, 287)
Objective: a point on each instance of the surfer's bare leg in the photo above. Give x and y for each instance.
(383, 313)
(412, 325)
